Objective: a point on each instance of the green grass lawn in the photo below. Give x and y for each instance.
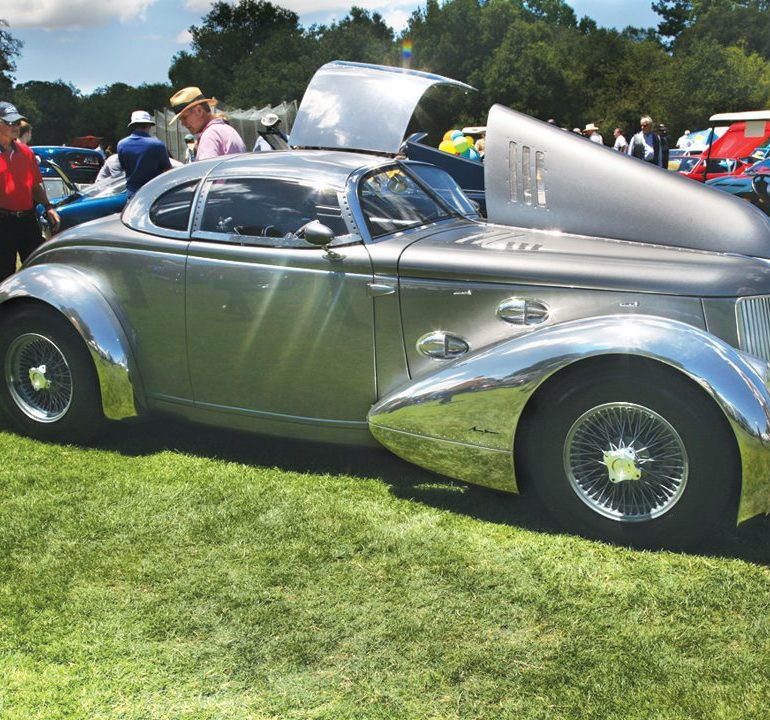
(179, 572)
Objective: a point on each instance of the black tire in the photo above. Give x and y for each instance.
(49, 388)
(637, 456)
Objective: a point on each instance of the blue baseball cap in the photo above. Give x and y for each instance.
(9, 113)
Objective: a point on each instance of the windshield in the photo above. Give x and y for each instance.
(442, 183)
(760, 167)
(106, 188)
(391, 200)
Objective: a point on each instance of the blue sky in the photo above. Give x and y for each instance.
(93, 43)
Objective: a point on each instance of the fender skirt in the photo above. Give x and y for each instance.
(68, 291)
(461, 420)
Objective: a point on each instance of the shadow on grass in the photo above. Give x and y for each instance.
(750, 542)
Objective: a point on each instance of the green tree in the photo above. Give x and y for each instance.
(107, 110)
(675, 17)
(51, 108)
(745, 24)
(278, 70)
(227, 36)
(360, 37)
(708, 78)
(10, 48)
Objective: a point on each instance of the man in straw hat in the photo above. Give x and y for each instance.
(142, 156)
(215, 136)
(592, 133)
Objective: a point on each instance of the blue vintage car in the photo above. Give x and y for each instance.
(77, 205)
(745, 186)
(81, 165)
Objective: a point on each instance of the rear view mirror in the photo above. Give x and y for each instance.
(316, 233)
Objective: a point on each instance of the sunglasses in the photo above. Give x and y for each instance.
(15, 123)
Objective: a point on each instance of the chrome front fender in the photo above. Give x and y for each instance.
(461, 420)
(69, 291)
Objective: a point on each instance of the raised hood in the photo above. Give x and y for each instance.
(354, 106)
(539, 176)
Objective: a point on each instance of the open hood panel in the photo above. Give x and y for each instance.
(355, 106)
(539, 176)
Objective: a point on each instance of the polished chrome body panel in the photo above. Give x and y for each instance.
(539, 176)
(477, 401)
(72, 293)
(361, 107)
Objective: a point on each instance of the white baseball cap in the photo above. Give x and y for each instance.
(141, 117)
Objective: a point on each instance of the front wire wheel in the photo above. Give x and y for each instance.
(636, 454)
(626, 462)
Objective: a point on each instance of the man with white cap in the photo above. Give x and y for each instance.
(21, 189)
(142, 156)
(270, 121)
(215, 136)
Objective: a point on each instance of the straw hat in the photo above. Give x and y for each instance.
(590, 127)
(186, 98)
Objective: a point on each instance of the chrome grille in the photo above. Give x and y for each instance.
(754, 326)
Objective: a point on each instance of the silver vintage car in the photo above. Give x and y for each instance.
(601, 341)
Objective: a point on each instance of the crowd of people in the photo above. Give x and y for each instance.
(650, 144)
(139, 157)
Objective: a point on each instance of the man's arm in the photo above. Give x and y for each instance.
(40, 196)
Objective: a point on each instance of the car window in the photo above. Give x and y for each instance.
(442, 183)
(760, 167)
(391, 201)
(270, 212)
(172, 209)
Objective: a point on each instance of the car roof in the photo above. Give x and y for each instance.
(53, 149)
(738, 116)
(330, 166)
(327, 167)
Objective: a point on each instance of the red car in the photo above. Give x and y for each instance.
(731, 153)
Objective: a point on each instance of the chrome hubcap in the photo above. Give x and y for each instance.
(626, 462)
(38, 378)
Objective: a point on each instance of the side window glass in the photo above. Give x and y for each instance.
(172, 209)
(269, 212)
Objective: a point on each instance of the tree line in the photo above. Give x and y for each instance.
(536, 56)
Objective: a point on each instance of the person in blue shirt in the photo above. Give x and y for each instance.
(142, 156)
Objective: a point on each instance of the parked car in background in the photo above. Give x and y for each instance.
(77, 205)
(615, 364)
(93, 201)
(81, 165)
(731, 153)
(744, 185)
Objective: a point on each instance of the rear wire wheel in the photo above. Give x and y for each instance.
(49, 387)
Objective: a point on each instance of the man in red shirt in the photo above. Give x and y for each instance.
(21, 189)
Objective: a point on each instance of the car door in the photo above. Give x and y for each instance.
(276, 326)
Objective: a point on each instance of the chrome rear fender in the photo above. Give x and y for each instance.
(461, 420)
(69, 292)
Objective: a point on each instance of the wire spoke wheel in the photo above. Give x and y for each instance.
(625, 462)
(38, 378)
